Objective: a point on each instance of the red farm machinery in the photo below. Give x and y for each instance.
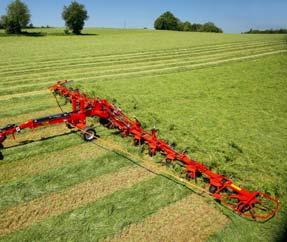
(249, 204)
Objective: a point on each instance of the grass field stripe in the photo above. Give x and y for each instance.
(29, 213)
(107, 215)
(44, 162)
(105, 67)
(15, 95)
(101, 61)
(28, 68)
(60, 178)
(189, 219)
(139, 71)
(164, 70)
(53, 58)
(40, 84)
(73, 68)
(193, 66)
(130, 72)
(27, 116)
(55, 143)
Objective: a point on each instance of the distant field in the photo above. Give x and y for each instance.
(220, 96)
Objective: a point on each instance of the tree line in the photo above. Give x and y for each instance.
(167, 21)
(18, 17)
(266, 31)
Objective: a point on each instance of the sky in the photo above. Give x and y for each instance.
(233, 16)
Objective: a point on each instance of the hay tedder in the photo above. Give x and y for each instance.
(249, 204)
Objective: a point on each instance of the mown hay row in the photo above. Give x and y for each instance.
(28, 68)
(190, 219)
(56, 58)
(102, 74)
(45, 162)
(32, 212)
(112, 63)
(136, 73)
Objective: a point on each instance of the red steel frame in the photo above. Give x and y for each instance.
(221, 188)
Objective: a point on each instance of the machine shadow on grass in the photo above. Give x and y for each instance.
(22, 143)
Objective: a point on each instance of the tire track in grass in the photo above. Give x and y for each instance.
(29, 188)
(108, 215)
(123, 60)
(190, 219)
(32, 212)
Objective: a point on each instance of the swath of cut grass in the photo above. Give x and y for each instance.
(190, 219)
(168, 54)
(80, 195)
(44, 162)
(26, 189)
(108, 215)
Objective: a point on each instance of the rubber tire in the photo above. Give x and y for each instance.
(1, 146)
(69, 126)
(212, 189)
(88, 134)
(1, 156)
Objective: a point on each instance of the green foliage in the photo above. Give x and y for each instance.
(267, 31)
(2, 19)
(196, 27)
(187, 26)
(17, 17)
(210, 27)
(167, 21)
(75, 16)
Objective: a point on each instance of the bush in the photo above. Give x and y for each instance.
(17, 17)
(75, 16)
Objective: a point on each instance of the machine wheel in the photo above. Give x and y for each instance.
(1, 146)
(88, 134)
(69, 126)
(1, 156)
(212, 189)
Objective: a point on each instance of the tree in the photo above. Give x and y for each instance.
(187, 26)
(167, 21)
(17, 17)
(196, 27)
(75, 16)
(1, 22)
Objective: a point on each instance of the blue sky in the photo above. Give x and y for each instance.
(231, 15)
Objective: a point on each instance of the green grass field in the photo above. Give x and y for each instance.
(220, 96)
